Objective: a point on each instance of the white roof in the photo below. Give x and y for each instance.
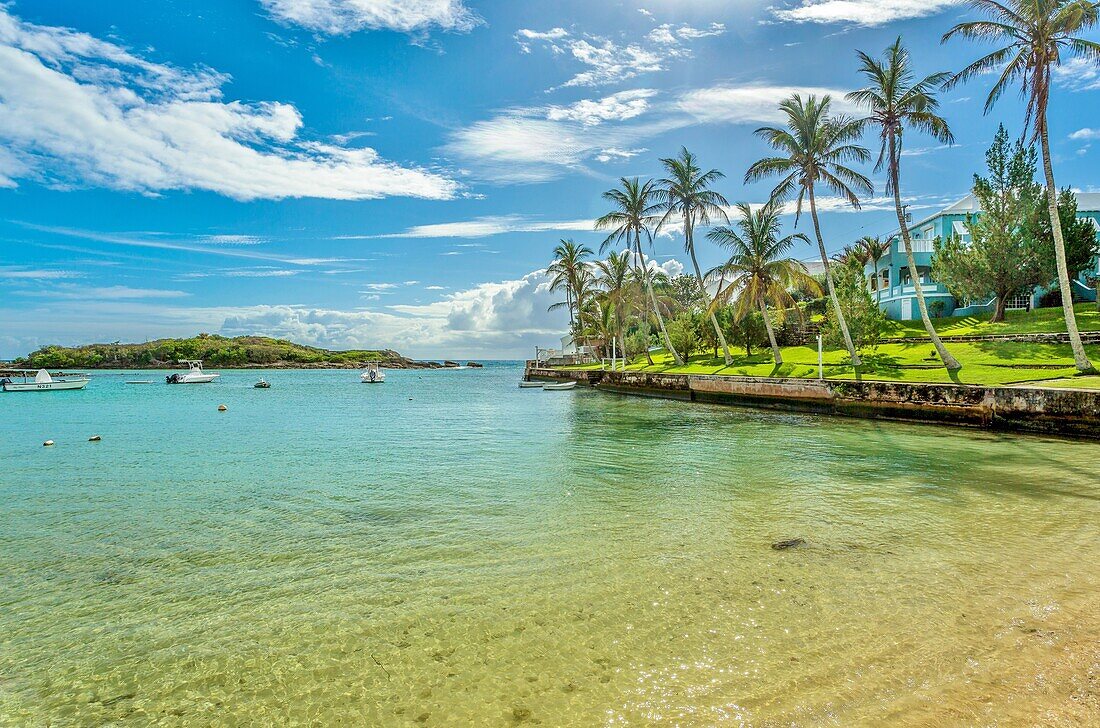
(1086, 202)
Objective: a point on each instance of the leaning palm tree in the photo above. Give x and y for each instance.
(895, 100)
(876, 249)
(816, 149)
(614, 281)
(1035, 34)
(567, 273)
(686, 197)
(634, 216)
(758, 271)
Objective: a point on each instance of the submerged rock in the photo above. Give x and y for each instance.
(789, 544)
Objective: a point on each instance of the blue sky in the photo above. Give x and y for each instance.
(395, 172)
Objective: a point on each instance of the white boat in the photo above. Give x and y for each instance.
(531, 385)
(194, 375)
(43, 382)
(373, 374)
(560, 385)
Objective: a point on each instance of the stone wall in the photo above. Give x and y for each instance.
(1061, 411)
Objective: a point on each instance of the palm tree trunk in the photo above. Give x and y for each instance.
(950, 362)
(771, 333)
(856, 361)
(689, 238)
(656, 308)
(1080, 358)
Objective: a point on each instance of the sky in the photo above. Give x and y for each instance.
(395, 173)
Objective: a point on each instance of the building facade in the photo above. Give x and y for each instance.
(892, 286)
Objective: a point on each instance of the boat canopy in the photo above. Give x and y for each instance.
(43, 377)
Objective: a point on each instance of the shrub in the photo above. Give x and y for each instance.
(683, 332)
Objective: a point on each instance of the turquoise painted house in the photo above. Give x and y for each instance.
(893, 287)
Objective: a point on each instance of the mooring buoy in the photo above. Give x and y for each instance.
(47, 443)
(94, 438)
(222, 408)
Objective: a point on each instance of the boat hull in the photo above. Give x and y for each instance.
(562, 386)
(531, 385)
(45, 386)
(193, 379)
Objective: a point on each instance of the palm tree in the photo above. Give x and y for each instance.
(568, 272)
(817, 149)
(757, 269)
(895, 100)
(685, 194)
(614, 281)
(876, 249)
(1036, 33)
(633, 216)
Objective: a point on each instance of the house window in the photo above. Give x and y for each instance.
(1018, 303)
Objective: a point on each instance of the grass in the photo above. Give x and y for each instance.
(1039, 321)
(984, 362)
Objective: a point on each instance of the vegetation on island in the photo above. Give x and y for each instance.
(762, 298)
(220, 351)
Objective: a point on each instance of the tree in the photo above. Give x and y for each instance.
(569, 272)
(685, 194)
(1002, 257)
(633, 216)
(817, 148)
(1078, 233)
(866, 321)
(758, 271)
(614, 280)
(1036, 34)
(895, 101)
(876, 249)
(684, 331)
(748, 332)
(687, 293)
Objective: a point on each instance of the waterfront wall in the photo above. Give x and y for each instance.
(1030, 409)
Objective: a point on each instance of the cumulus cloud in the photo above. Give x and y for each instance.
(607, 61)
(750, 104)
(616, 107)
(339, 17)
(861, 12)
(79, 111)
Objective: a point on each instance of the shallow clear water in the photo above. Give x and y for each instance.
(447, 549)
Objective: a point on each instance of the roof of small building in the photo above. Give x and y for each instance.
(1086, 202)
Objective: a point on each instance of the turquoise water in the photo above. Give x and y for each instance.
(447, 549)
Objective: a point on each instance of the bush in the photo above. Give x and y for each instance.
(683, 332)
(637, 343)
(748, 332)
(936, 308)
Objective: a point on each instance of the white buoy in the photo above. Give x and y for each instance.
(47, 443)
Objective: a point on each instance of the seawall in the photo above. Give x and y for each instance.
(1024, 409)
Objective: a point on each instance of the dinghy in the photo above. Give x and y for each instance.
(43, 382)
(560, 385)
(531, 385)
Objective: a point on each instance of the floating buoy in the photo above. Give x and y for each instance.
(222, 408)
(47, 443)
(94, 438)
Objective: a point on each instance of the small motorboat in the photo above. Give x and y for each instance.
(373, 374)
(43, 382)
(559, 385)
(194, 374)
(531, 385)
(262, 384)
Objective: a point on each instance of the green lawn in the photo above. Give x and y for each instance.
(1043, 320)
(985, 362)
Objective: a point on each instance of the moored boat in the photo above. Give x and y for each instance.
(43, 382)
(558, 386)
(194, 374)
(262, 384)
(373, 374)
(531, 385)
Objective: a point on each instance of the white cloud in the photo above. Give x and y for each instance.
(861, 12)
(750, 104)
(101, 293)
(613, 153)
(339, 17)
(486, 226)
(79, 111)
(607, 61)
(616, 107)
(1078, 74)
(16, 272)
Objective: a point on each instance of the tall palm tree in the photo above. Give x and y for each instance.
(816, 149)
(685, 196)
(614, 281)
(1034, 34)
(876, 249)
(895, 100)
(568, 272)
(758, 270)
(632, 217)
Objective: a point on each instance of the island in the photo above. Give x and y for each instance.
(238, 352)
